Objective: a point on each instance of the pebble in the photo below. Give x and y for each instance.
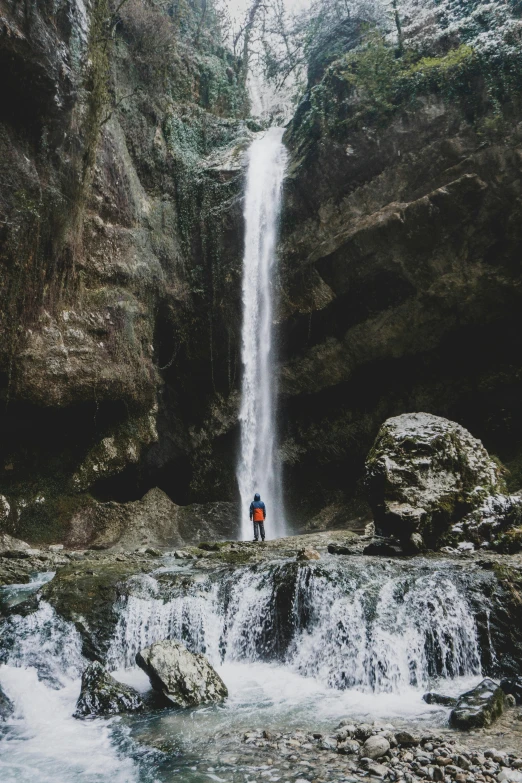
(462, 762)
(375, 747)
(382, 752)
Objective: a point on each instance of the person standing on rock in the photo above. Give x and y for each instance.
(258, 516)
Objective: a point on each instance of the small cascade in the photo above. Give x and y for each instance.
(194, 618)
(294, 642)
(258, 469)
(374, 630)
(45, 642)
(383, 635)
(40, 670)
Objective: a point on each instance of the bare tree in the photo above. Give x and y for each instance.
(246, 34)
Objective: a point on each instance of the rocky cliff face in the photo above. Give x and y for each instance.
(401, 277)
(121, 142)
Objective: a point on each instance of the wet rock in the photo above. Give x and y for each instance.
(308, 554)
(363, 731)
(102, 695)
(185, 678)
(181, 554)
(9, 543)
(479, 707)
(328, 743)
(348, 747)
(86, 593)
(344, 549)
(6, 705)
(462, 762)
(496, 523)
(209, 546)
(17, 554)
(425, 472)
(5, 508)
(439, 698)
(416, 543)
(513, 687)
(377, 770)
(348, 726)
(406, 739)
(375, 747)
(383, 548)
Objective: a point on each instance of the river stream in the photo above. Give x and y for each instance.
(298, 648)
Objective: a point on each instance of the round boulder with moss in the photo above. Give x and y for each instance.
(424, 473)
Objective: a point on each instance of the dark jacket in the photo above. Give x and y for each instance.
(257, 504)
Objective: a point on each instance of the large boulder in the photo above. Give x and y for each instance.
(479, 707)
(425, 472)
(185, 678)
(102, 695)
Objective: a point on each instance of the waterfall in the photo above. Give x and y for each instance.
(295, 643)
(373, 630)
(258, 469)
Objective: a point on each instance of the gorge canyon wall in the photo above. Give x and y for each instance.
(122, 139)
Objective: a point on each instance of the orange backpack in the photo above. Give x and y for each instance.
(258, 514)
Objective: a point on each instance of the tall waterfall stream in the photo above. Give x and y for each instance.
(257, 469)
(297, 646)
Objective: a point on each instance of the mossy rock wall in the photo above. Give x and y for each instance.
(120, 247)
(399, 274)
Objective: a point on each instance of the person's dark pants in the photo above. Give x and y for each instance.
(259, 527)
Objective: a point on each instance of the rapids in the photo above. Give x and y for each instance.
(298, 646)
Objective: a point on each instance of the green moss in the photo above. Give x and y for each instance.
(224, 552)
(86, 594)
(503, 476)
(369, 85)
(510, 542)
(455, 58)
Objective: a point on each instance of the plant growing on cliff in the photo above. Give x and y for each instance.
(370, 83)
(373, 71)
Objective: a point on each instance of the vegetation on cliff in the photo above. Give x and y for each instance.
(371, 83)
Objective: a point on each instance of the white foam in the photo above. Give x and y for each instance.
(133, 676)
(44, 743)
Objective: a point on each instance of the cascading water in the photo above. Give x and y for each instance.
(41, 740)
(258, 468)
(298, 645)
(378, 632)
